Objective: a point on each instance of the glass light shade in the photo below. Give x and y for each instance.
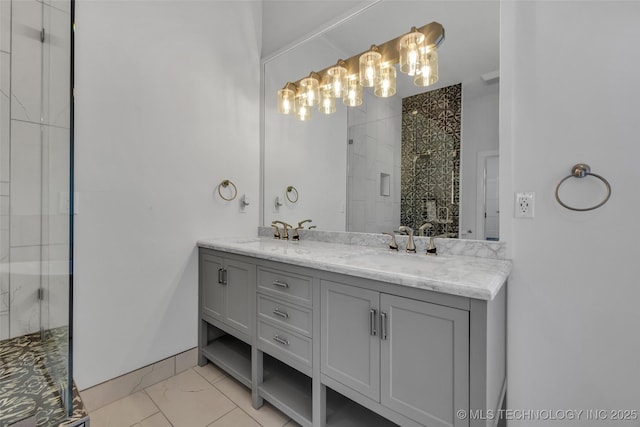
(410, 46)
(336, 80)
(286, 101)
(353, 97)
(369, 64)
(385, 81)
(303, 111)
(327, 102)
(428, 71)
(309, 90)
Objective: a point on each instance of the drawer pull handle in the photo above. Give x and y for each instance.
(372, 322)
(383, 325)
(281, 340)
(281, 284)
(280, 313)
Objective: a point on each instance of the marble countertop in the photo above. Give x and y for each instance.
(472, 277)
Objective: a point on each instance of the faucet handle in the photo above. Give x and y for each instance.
(296, 235)
(301, 223)
(432, 250)
(393, 245)
(276, 230)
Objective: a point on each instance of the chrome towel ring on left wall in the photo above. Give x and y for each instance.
(580, 171)
(225, 184)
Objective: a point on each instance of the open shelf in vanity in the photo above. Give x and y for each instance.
(231, 355)
(287, 389)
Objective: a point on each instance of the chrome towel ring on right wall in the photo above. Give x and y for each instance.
(580, 171)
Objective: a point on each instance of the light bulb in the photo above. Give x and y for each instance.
(353, 96)
(336, 80)
(303, 111)
(410, 46)
(386, 81)
(328, 102)
(369, 64)
(428, 71)
(309, 90)
(286, 99)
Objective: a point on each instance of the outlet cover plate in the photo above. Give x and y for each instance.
(525, 203)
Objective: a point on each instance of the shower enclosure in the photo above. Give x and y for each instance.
(36, 205)
(431, 129)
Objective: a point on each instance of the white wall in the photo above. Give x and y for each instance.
(167, 106)
(312, 155)
(569, 94)
(479, 134)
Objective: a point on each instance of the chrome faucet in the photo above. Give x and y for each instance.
(392, 244)
(285, 227)
(423, 227)
(411, 246)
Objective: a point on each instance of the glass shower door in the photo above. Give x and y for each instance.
(36, 227)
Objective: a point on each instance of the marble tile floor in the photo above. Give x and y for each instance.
(198, 397)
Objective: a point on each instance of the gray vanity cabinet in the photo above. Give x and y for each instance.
(350, 347)
(226, 287)
(410, 356)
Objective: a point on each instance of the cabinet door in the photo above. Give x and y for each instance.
(240, 279)
(212, 291)
(425, 361)
(350, 352)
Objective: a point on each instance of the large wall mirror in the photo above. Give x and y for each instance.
(426, 157)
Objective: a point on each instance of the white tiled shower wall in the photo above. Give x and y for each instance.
(375, 130)
(34, 165)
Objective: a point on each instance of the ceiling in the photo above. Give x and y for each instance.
(287, 21)
(472, 27)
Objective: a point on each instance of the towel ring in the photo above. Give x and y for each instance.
(225, 184)
(292, 189)
(580, 171)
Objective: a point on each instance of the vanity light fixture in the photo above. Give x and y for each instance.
(353, 97)
(416, 53)
(303, 111)
(286, 98)
(385, 81)
(327, 101)
(427, 73)
(310, 89)
(410, 45)
(336, 80)
(369, 64)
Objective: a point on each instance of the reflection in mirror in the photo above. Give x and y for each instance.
(439, 177)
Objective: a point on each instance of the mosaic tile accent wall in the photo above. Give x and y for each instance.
(430, 181)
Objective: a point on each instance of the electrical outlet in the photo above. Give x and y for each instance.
(525, 203)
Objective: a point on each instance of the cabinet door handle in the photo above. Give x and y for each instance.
(280, 340)
(383, 325)
(281, 284)
(281, 313)
(372, 321)
(222, 276)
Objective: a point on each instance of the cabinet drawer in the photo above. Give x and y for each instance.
(284, 345)
(290, 286)
(283, 314)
